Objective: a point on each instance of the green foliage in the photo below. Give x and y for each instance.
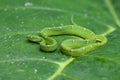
(22, 60)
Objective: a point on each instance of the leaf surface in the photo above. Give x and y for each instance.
(22, 60)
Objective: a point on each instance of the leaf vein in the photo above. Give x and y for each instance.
(112, 10)
(29, 59)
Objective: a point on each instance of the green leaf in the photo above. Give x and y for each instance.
(22, 60)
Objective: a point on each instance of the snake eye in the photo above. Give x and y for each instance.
(98, 41)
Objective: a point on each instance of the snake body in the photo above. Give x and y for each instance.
(86, 42)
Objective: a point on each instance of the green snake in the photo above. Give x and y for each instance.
(87, 41)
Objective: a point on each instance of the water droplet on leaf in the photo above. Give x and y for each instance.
(28, 4)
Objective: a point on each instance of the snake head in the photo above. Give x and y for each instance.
(34, 38)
